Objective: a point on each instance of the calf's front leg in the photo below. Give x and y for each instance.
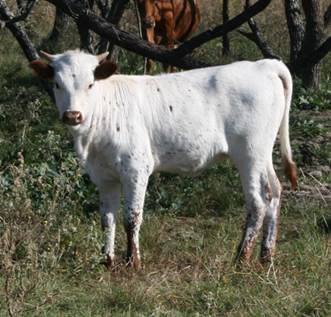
(134, 191)
(110, 196)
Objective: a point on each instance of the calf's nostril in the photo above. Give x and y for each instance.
(79, 117)
(72, 117)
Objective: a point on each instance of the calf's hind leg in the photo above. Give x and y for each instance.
(270, 224)
(134, 195)
(255, 185)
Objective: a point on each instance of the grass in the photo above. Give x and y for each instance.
(50, 236)
(188, 270)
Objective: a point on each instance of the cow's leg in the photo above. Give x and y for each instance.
(256, 188)
(134, 195)
(270, 224)
(109, 204)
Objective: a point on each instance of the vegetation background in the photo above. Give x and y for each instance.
(50, 237)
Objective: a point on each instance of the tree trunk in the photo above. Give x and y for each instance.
(114, 16)
(225, 15)
(60, 26)
(305, 40)
(84, 36)
(295, 27)
(311, 73)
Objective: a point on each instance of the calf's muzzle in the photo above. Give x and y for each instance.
(72, 117)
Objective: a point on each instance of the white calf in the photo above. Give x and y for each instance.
(127, 127)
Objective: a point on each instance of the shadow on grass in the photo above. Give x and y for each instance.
(324, 224)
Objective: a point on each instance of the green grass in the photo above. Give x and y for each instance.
(50, 235)
(188, 269)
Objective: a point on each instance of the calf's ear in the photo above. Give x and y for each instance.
(42, 69)
(104, 70)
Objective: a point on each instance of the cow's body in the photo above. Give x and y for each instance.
(182, 122)
(166, 22)
(135, 125)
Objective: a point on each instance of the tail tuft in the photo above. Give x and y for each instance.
(291, 172)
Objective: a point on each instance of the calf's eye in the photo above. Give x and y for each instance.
(90, 86)
(57, 86)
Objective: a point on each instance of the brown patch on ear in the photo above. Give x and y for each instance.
(42, 69)
(104, 70)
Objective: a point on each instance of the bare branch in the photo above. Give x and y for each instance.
(19, 33)
(60, 26)
(314, 25)
(257, 37)
(24, 13)
(23, 39)
(113, 16)
(83, 30)
(316, 55)
(234, 23)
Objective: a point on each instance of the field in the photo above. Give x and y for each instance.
(50, 236)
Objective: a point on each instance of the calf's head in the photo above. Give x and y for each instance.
(74, 75)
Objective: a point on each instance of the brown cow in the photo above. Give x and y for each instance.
(165, 22)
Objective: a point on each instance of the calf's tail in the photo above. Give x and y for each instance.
(285, 147)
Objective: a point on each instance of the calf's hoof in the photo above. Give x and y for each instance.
(108, 262)
(244, 254)
(134, 262)
(266, 255)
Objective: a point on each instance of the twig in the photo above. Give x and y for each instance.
(257, 37)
